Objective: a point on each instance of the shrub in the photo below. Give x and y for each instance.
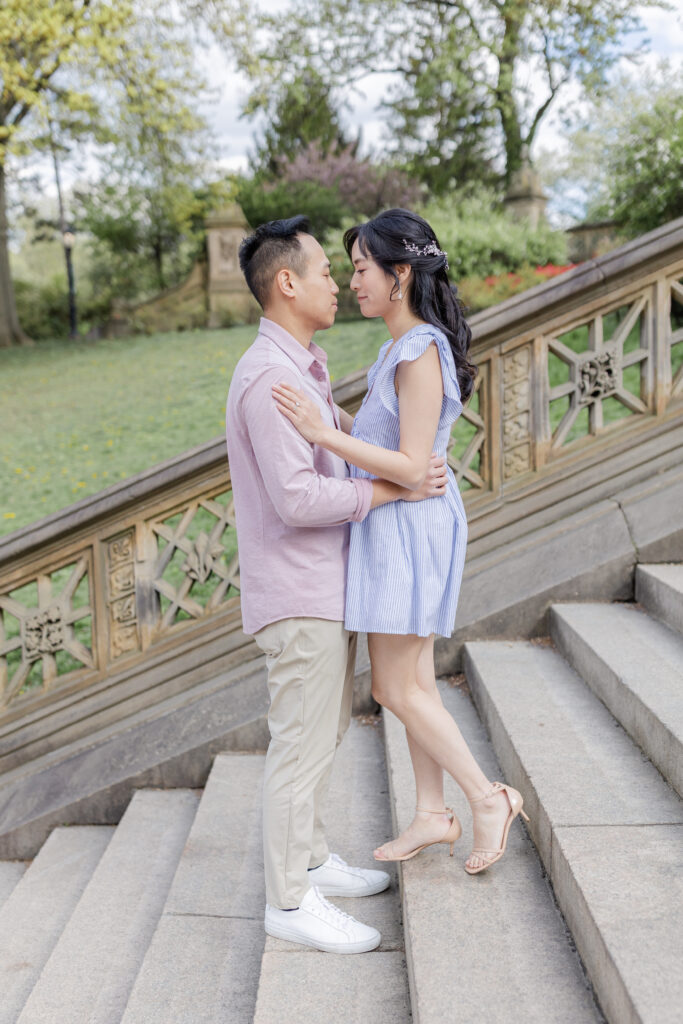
(43, 309)
(481, 237)
(263, 201)
(479, 293)
(364, 188)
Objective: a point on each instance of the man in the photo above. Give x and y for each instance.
(293, 501)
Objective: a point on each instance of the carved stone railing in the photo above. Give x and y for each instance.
(569, 372)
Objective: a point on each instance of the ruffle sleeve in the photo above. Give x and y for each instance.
(411, 347)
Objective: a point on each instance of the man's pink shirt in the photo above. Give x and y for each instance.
(293, 499)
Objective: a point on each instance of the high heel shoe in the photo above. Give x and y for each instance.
(515, 800)
(452, 835)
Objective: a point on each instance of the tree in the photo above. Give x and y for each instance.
(146, 209)
(79, 54)
(646, 166)
(39, 39)
(462, 65)
(626, 154)
(299, 113)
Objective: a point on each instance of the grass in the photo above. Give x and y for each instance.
(78, 416)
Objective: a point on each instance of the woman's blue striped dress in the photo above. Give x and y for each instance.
(406, 558)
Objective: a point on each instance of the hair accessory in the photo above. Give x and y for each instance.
(431, 249)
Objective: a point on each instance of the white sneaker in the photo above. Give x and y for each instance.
(336, 878)
(320, 924)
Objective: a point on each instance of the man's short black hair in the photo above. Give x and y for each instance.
(271, 247)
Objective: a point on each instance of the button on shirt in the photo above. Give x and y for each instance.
(293, 499)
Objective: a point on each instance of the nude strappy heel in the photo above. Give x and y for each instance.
(452, 835)
(515, 799)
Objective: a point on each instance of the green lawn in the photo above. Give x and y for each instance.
(78, 416)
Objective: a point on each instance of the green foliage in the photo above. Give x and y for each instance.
(624, 157)
(646, 168)
(44, 311)
(263, 201)
(43, 308)
(481, 238)
(300, 112)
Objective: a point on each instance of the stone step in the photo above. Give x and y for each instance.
(659, 588)
(10, 873)
(489, 947)
(606, 824)
(307, 986)
(92, 969)
(35, 914)
(170, 745)
(635, 666)
(213, 915)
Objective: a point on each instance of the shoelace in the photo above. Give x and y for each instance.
(338, 917)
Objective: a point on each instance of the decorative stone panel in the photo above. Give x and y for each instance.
(123, 620)
(517, 412)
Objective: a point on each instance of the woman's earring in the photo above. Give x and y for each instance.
(400, 292)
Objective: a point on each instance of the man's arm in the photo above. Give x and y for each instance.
(433, 485)
(300, 495)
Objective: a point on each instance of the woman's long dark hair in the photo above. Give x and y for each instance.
(399, 236)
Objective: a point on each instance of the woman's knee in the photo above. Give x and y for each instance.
(386, 695)
(396, 697)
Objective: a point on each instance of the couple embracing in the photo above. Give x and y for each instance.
(302, 471)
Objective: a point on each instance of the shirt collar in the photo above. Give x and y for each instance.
(300, 356)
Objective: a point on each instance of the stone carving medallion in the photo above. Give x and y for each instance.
(598, 376)
(200, 561)
(43, 633)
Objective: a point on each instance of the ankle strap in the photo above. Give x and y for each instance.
(427, 810)
(495, 788)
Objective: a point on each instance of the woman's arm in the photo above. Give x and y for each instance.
(420, 396)
(345, 419)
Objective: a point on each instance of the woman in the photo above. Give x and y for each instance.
(406, 559)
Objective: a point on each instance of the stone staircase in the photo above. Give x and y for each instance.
(158, 920)
(577, 722)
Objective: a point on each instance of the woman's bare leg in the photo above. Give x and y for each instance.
(425, 827)
(394, 661)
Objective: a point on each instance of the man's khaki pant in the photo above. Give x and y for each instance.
(310, 680)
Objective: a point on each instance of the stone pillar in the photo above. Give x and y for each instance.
(230, 300)
(525, 198)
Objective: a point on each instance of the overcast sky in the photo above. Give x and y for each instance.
(234, 135)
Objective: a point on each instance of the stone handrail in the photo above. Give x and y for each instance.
(570, 372)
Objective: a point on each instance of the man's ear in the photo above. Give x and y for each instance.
(283, 283)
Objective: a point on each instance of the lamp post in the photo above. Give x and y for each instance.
(68, 239)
